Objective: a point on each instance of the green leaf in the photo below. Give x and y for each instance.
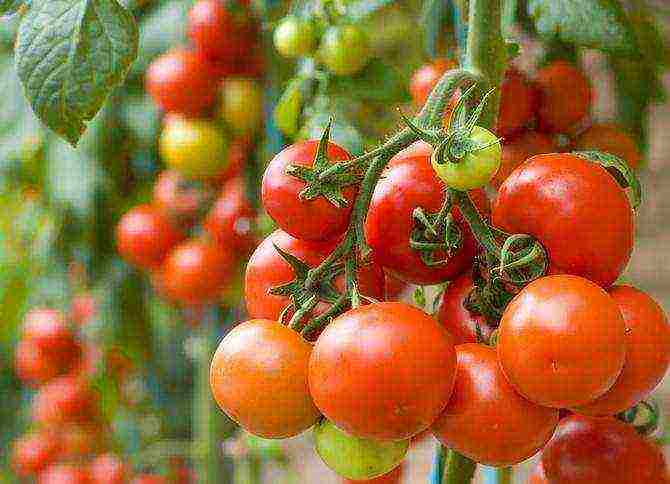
(70, 54)
(598, 24)
(8, 7)
(379, 82)
(287, 110)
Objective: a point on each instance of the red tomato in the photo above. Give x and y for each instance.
(64, 474)
(83, 308)
(267, 269)
(393, 288)
(33, 452)
(178, 81)
(33, 365)
(576, 209)
(182, 200)
(426, 77)
(48, 329)
(196, 272)
(537, 476)
(79, 440)
(647, 353)
(561, 341)
(316, 219)
(396, 357)
(109, 469)
(259, 378)
(610, 138)
(149, 479)
(565, 97)
(393, 477)
(410, 182)
(461, 323)
(485, 419)
(587, 450)
(230, 219)
(64, 399)
(144, 237)
(518, 103)
(518, 150)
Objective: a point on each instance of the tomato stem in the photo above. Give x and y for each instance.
(458, 469)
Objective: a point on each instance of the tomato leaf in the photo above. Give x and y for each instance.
(378, 82)
(620, 170)
(598, 24)
(70, 54)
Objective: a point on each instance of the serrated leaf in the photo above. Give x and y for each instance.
(379, 82)
(70, 54)
(8, 7)
(598, 24)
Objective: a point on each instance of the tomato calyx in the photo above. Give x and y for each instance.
(436, 236)
(644, 417)
(620, 170)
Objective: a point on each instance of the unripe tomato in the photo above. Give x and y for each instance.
(230, 219)
(485, 419)
(179, 82)
(259, 378)
(345, 50)
(516, 151)
(647, 353)
(476, 168)
(518, 103)
(108, 469)
(561, 341)
(196, 148)
(33, 452)
(65, 399)
(610, 138)
(426, 77)
(242, 105)
(373, 350)
(587, 450)
(316, 219)
(294, 37)
(551, 192)
(182, 200)
(393, 477)
(354, 457)
(145, 236)
(565, 97)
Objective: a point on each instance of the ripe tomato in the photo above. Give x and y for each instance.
(357, 458)
(647, 353)
(65, 399)
(518, 150)
(294, 37)
(518, 103)
(452, 313)
(196, 148)
(316, 219)
(610, 138)
(196, 272)
(410, 182)
(345, 50)
(537, 476)
(485, 419)
(64, 474)
(400, 358)
(179, 82)
(182, 200)
(145, 236)
(587, 450)
(267, 269)
(149, 479)
(393, 288)
(33, 365)
(475, 169)
(242, 105)
(561, 341)
(259, 378)
(48, 329)
(108, 469)
(550, 193)
(83, 308)
(426, 77)
(559, 112)
(230, 219)
(33, 452)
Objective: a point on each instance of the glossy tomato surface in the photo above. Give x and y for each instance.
(518, 103)
(230, 219)
(610, 138)
(518, 150)
(426, 77)
(558, 113)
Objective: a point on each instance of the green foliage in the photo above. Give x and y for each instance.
(10, 6)
(379, 82)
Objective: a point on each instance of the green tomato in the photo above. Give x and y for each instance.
(345, 50)
(294, 37)
(356, 458)
(476, 168)
(242, 105)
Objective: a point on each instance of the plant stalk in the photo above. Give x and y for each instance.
(458, 469)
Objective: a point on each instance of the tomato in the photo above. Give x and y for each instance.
(108, 469)
(561, 341)
(587, 450)
(145, 236)
(196, 148)
(551, 193)
(267, 269)
(230, 219)
(559, 112)
(238, 153)
(518, 103)
(182, 200)
(33, 452)
(294, 37)
(345, 50)
(647, 352)
(410, 182)
(518, 150)
(475, 169)
(179, 82)
(610, 138)
(83, 308)
(393, 288)
(65, 399)
(354, 457)
(80, 440)
(537, 475)
(259, 378)
(463, 325)
(316, 219)
(393, 477)
(64, 474)
(485, 419)
(400, 358)
(426, 77)
(242, 105)
(196, 272)
(149, 479)
(33, 365)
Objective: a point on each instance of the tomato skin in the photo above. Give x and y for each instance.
(586, 450)
(410, 182)
(537, 476)
(177, 198)
(108, 469)
(242, 105)
(426, 77)
(178, 82)
(518, 103)
(294, 37)
(64, 474)
(33, 452)
(149, 479)
(259, 378)
(647, 353)
(315, 219)
(561, 341)
(485, 418)
(65, 399)
(379, 345)
(83, 308)
(33, 365)
(556, 114)
(345, 50)
(551, 192)
(610, 138)
(230, 218)
(393, 477)
(518, 150)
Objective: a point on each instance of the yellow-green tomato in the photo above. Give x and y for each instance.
(294, 37)
(355, 458)
(196, 148)
(242, 105)
(345, 50)
(476, 168)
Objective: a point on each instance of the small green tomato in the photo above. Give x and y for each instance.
(476, 168)
(294, 37)
(345, 50)
(355, 458)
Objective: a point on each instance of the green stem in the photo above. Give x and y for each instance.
(503, 475)
(458, 469)
(478, 225)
